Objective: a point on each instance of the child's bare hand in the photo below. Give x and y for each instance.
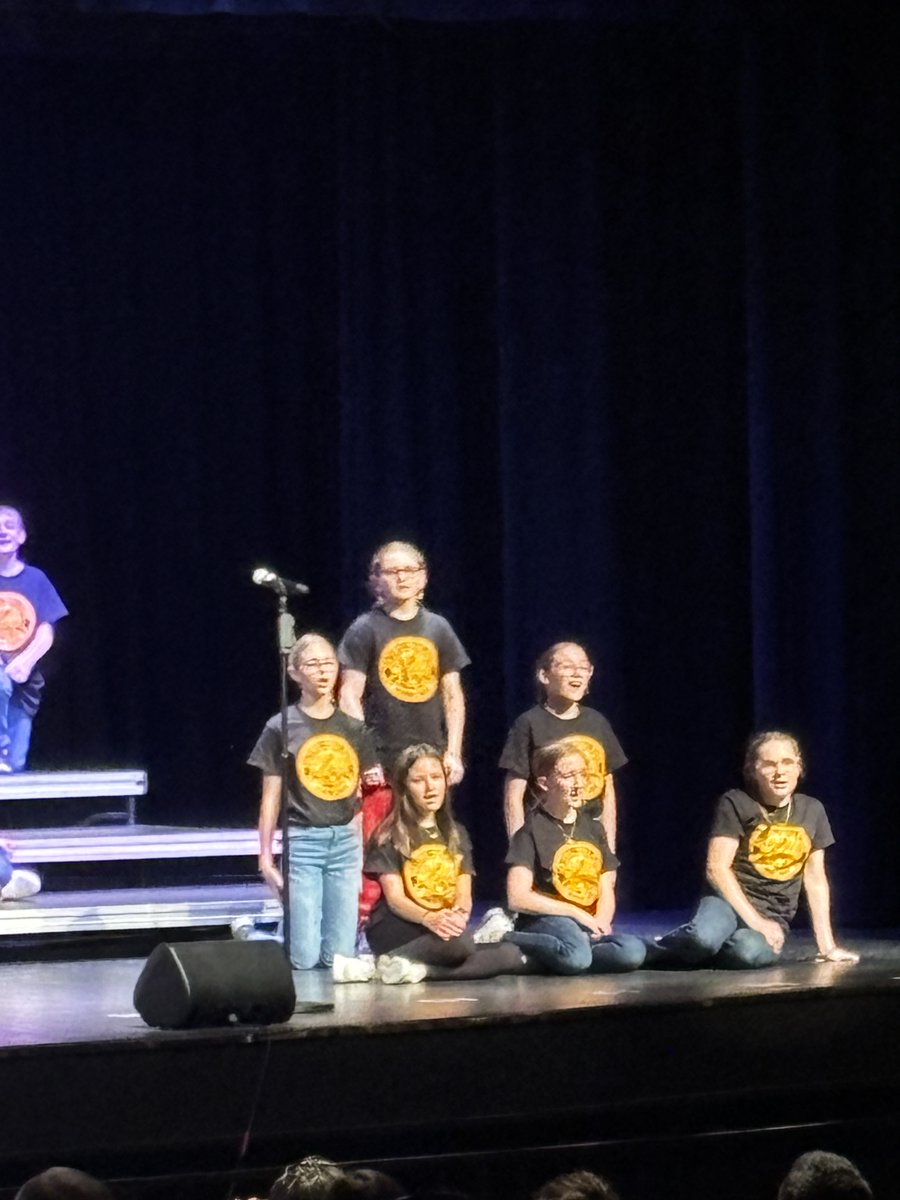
(18, 671)
(454, 767)
(374, 777)
(271, 875)
(444, 924)
(589, 922)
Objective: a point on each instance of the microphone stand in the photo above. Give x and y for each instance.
(286, 635)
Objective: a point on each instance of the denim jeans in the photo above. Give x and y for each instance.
(325, 871)
(15, 725)
(563, 947)
(715, 937)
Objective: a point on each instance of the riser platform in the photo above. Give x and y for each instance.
(127, 909)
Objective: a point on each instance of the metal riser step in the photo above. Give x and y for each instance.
(120, 843)
(136, 908)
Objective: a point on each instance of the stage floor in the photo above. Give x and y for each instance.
(512, 1076)
(50, 1003)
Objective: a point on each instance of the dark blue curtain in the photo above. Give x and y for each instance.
(602, 312)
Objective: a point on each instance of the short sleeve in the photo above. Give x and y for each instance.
(52, 608)
(266, 754)
(822, 836)
(357, 646)
(451, 652)
(383, 859)
(522, 851)
(726, 820)
(616, 758)
(516, 756)
(467, 867)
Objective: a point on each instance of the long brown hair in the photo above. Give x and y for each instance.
(400, 825)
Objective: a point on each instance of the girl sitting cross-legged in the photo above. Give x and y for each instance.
(423, 857)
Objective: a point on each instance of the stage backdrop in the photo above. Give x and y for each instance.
(602, 313)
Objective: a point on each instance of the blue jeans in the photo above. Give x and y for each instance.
(325, 872)
(563, 947)
(715, 937)
(15, 725)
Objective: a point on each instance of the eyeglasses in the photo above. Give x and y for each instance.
(772, 768)
(316, 664)
(396, 572)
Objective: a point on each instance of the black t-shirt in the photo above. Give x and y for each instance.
(27, 600)
(589, 732)
(404, 662)
(773, 847)
(329, 754)
(564, 859)
(429, 874)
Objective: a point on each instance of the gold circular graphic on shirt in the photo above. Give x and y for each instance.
(430, 874)
(408, 669)
(18, 621)
(328, 767)
(779, 851)
(577, 867)
(595, 756)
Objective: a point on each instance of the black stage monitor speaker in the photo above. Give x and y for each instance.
(194, 984)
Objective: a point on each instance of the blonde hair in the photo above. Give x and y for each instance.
(302, 644)
(388, 548)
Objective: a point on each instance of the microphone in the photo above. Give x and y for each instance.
(263, 577)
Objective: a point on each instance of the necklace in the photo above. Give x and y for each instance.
(785, 808)
(566, 824)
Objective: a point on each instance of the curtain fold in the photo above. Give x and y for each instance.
(601, 312)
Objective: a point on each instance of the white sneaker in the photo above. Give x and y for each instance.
(495, 923)
(353, 970)
(392, 968)
(21, 885)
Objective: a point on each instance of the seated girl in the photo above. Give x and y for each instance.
(562, 875)
(423, 858)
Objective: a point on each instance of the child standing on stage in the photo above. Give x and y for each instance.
(405, 661)
(330, 750)
(29, 609)
(562, 873)
(423, 858)
(563, 675)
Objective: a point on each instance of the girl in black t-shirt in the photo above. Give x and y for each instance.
(423, 857)
(563, 675)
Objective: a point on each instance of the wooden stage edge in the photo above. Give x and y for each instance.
(492, 1070)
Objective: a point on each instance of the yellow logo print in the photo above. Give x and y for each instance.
(328, 767)
(779, 851)
(18, 621)
(595, 756)
(577, 867)
(408, 669)
(430, 874)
